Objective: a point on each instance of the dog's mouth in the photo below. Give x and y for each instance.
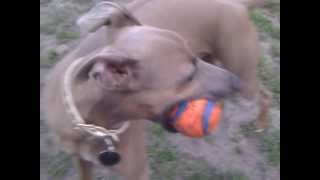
(166, 118)
(166, 122)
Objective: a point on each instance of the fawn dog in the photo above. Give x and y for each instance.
(136, 62)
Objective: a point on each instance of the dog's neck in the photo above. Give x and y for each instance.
(73, 110)
(94, 107)
(102, 113)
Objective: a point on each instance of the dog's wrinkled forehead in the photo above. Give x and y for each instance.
(105, 13)
(122, 25)
(149, 40)
(95, 18)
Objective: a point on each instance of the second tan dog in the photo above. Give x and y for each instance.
(140, 71)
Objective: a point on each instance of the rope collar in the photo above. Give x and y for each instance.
(108, 157)
(76, 118)
(68, 100)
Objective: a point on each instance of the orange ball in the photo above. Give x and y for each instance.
(195, 118)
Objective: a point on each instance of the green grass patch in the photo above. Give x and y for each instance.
(50, 24)
(64, 35)
(270, 78)
(49, 59)
(163, 162)
(271, 147)
(56, 26)
(264, 24)
(238, 150)
(167, 163)
(59, 165)
(275, 49)
(273, 6)
(59, 22)
(208, 139)
(203, 171)
(235, 139)
(163, 157)
(110, 176)
(162, 154)
(248, 129)
(157, 131)
(47, 29)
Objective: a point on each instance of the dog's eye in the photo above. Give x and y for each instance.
(192, 74)
(108, 22)
(189, 78)
(205, 57)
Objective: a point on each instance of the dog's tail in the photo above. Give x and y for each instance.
(251, 3)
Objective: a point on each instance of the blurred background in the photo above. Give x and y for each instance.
(233, 152)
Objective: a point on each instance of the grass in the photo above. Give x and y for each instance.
(49, 25)
(65, 36)
(162, 158)
(247, 129)
(273, 6)
(53, 21)
(209, 139)
(275, 49)
(162, 154)
(59, 28)
(270, 143)
(270, 78)
(47, 29)
(271, 147)
(163, 162)
(167, 163)
(216, 176)
(110, 176)
(49, 59)
(266, 72)
(238, 150)
(264, 24)
(157, 131)
(203, 171)
(59, 165)
(43, 126)
(59, 21)
(235, 139)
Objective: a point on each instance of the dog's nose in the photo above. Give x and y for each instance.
(235, 83)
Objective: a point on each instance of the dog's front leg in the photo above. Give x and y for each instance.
(137, 171)
(238, 48)
(83, 167)
(134, 164)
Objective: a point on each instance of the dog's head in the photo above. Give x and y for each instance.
(144, 71)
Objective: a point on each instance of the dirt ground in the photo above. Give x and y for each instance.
(233, 152)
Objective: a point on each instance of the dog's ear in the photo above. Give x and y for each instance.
(106, 14)
(114, 73)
